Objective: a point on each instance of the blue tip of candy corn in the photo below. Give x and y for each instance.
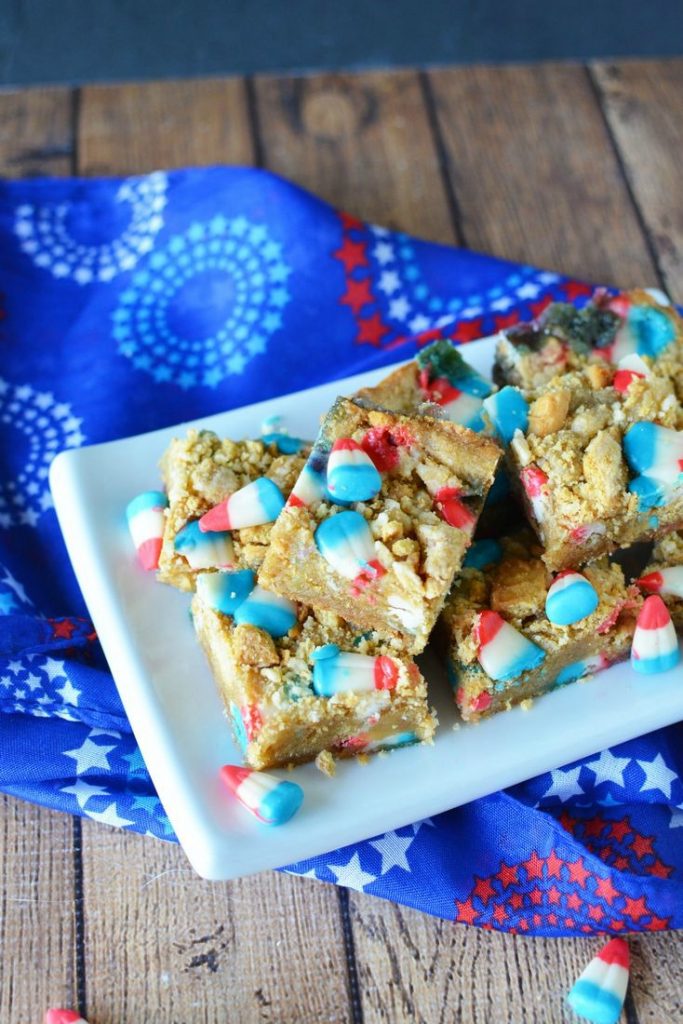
(354, 482)
(285, 444)
(649, 491)
(652, 328)
(659, 663)
(640, 443)
(281, 803)
(148, 499)
(508, 411)
(226, 591)
(565, 606)
(275, 615)
(594, 1003)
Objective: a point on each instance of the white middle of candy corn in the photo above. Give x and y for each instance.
(345, 541)
(664, 581)
(502, 651)
(213, 550)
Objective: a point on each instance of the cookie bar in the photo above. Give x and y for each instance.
(439, 381)
(609, 328)
(597, 461)
(200, 472)
(379, 520)
(664, 575)
(512, 632)
(315, 685)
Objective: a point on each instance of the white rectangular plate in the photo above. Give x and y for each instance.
(178, 718)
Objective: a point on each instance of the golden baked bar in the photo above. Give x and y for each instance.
(199, 472)
(506, 630)
(320, 687)
(378, 523)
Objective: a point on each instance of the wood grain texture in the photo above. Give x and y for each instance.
(133, 129)
(37, 922)
(165, 946)
(415, 968)
(36, 132)
(642, 101)
(363, 142)
(657, 977)
(535, 174)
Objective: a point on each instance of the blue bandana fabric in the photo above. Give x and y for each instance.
(128, 305)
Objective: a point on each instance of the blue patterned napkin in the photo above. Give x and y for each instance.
(128, 305)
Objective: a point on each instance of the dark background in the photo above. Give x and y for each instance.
(71, 41)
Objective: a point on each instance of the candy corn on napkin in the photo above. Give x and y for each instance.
(131, 304)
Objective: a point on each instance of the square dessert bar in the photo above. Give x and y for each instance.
(664, 575)
(597, 461)
(200, 472)
(641, 322)
(512, 632)
(297, 683)
(439, 381)
(379, 520)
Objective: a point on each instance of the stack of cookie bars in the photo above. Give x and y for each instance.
(321, 570)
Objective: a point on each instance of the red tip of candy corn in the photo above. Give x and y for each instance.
(233, 774)
(452, 509)
(148, 553)
(386, 673)
(57, 1016)
(486, 627)
(215, 519)
(346, 444)
(652, 582)
(654, 614)
(616, 952)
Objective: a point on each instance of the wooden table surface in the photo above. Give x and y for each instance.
(578, 169)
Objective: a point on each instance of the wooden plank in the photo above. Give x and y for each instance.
(36, 132)
(37, 924)
(657, 977)
(535, 174)
(133, 129)
(643, 102)
(163, 945)
(415, 968)
(362, 142)
(160, 943)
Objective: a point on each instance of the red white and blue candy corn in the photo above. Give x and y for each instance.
(58, 1016)
(450, 382)
(655, 645)
(507, 411)
(630, 368)
(310, 486)
(600, 991)
(236, 594)
(535, 483)
(269, 612)
(664, 581)
(655, 453)
(273, 801)
(259, 502)
(503, 652)
(578, 669)
(205, 550)
(344, 540)
(646, 329)
(145, 515)
(336, 671)
(351, 473)
(570, 598)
